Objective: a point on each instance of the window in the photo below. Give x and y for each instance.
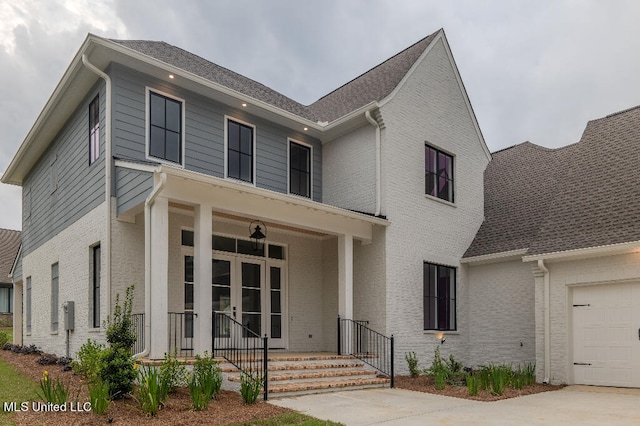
(299, 169)
(188, 296)
(240, 151)
(94, 129)
(439, 297)
(438, 171)
(165, 128)
(28, 320)
(95, 288)
(54, 297)
(6, 300)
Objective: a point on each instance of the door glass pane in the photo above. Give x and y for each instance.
(188, 296)
(188, 268)
(221, 272)
(250, 275)
(276, 326)
(221, 299)
(221, 326)
(252, 322)
(275, 277)
(251, 300)
(275, 302)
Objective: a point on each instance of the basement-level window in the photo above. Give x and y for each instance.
(438, 173)
(439, 284)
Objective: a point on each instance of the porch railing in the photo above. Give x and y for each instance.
(355, 338)
(242, 347)
(137, 324)
(181, 333)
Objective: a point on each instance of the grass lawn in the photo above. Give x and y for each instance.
(14, 386)
(289, 419)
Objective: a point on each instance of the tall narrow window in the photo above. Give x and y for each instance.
(438, 171)
(299, 169)
(439, 297)
(94, 129)
(28, 308)
(239, 151)
(54, 297)
(6, 300)
(95, 292)
(165, 128)
(188, 296)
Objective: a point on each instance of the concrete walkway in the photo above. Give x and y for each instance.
(573, 405)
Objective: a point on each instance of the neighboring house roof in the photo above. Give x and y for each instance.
(373, 85)
(9, 244)
(579, 196)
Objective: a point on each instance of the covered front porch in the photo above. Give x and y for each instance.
(204, 274)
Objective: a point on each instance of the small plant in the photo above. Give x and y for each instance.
(440, 379)
(529, 373)
(454, 366)
(472, 384)
(437, 364)
(119, 328)
(484, 377)
(500, 376)
(54, 392)
(151, 393)
(250, 387)
(99, 396)
(207, 372)
(4, 338)
(412, 361)
(198, 398)
(173, 374)
(87, 362)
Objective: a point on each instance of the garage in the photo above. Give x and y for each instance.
(606, 334)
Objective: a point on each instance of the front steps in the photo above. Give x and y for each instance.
(292, 375)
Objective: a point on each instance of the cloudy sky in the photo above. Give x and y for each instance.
(534, 70)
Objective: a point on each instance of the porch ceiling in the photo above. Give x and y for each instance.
(246, 201)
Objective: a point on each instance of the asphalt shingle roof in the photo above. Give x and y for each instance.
(9, 244)
(579, 196)
(373, 85)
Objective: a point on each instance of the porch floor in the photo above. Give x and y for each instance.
(274, 356)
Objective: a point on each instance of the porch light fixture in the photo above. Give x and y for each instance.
(256, 234)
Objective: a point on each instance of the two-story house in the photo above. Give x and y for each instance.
(153, 167)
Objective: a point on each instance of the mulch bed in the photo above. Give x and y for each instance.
(228, 408)
(426, 384)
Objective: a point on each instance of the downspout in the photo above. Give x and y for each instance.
(547, 318)
(374, 123)
(107, 181)
(147, 264)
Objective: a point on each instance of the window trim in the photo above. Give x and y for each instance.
(94, 156)
(226, 149)
(453, 172)
(55, 311)
(28, 302)
(455, 298)
(147, 126)
(307, 145)
(93, 287)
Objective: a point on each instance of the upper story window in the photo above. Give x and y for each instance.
(299, 169)
(438, 171)
(439, 293)
(94, 129)
(165, 139)
(240, 150)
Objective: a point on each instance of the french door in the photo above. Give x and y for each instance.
(251, 291)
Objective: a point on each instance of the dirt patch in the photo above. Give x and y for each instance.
(426, 384)
(228, 408)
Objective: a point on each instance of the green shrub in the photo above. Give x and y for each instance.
(198, 398)
(412, 361)
(207, 372)
(437, 365)
(173, 374)
(152, 392)
(472, 384)
(99, 396)
(117, 371)
(250, 386)
(4, 338)
(87, 362)
(454, 366)
(120, 331)
(440, 379)
(55, 392)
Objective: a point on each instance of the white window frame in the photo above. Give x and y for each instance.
(289, 142)
(28, 302)
(226, 150)
(55, 299)
(454, 159)
(92, 293)
(147, 125)
(94, 151)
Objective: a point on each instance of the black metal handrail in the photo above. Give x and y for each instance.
(181, 333)
(355, 338)
(242, 347)
(137, 325)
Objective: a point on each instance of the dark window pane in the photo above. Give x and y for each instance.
(188, 325)
(157, 110)
(252, 322)
(188, 268)
(276, 252)
(250, 275)
(224, 244)
(222, 326)
(233, 130)
(275, 278)
(233, 170)
(187, 238)
(246, 168)
(156, 142)
(188, 296)
(294, 161)
(251, 300)
(304, 185)
(221, 272)
(221, 299)
(439, 297)
(174, 118)
(246, 140)
(248, 247)
(276, 326)
(295, 182)
(172, 147)
(275, 302)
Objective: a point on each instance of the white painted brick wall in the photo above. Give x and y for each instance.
(429, 108)
(501, 306)
(71, 249)
(369, 286)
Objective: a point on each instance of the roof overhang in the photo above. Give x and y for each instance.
(587, 253)
(495, 257)
(239, 199)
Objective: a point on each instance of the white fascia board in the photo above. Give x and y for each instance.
(494, 257)
(148, 168)
(15, 262)
(586, 253)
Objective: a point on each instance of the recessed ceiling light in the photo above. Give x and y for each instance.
(171, 76)
(244, 104)
(305, 129)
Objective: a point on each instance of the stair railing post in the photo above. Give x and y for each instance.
(339, 339)
(265, 366)
(392, 356)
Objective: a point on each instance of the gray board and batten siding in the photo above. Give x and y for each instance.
(48, 208)
(204, 136)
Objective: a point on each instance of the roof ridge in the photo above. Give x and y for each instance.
(619, 112)
(12, 230)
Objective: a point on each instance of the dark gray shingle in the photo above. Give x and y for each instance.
(9, 244)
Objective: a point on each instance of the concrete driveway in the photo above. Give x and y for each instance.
(573, 405)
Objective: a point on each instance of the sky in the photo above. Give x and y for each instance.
(534, 70)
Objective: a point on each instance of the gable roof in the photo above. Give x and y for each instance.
(9, 244)
(579, 196)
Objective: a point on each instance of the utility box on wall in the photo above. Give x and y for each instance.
(69, 315)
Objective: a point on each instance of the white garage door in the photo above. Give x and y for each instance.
(606, 335)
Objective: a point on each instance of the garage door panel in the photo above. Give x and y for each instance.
(606, 347)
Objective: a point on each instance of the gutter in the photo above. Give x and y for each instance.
(107, 168)
(547, 298)
(375, 124)
(147, 264)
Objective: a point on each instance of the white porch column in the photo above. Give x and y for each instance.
(202, 278)
(159, 278)
(345, 276)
